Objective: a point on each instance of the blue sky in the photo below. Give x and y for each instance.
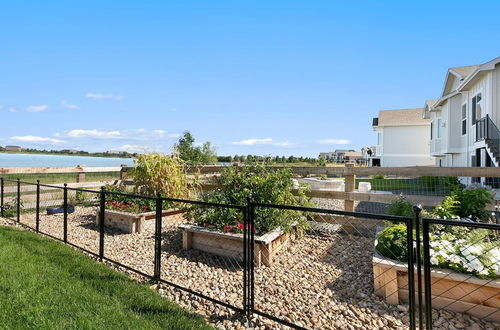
(260, 77)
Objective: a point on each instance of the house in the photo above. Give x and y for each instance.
(402, 138)
(13, 148)
(466, 117)
(353, 157)
(337, 156)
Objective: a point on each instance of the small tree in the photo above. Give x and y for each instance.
(187, 151)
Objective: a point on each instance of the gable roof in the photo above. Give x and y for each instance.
(402, 117)
(466, 74)
(463, 71)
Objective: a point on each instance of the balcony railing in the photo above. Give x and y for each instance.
(487, 131)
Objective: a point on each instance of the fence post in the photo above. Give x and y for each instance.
(37, 219)
(1, 197)
(80, 175)
(18, 200)
(245, 257)
(427, 276)
(350, 186)
(418, 209)
(158, 225)
(123, 172)
(251, 218)
(101, 222)
(65, 209)
(411, 272)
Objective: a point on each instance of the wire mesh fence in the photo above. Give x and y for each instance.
(335, 270)
(462, 270)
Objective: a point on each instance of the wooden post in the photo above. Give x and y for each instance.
(123, 172)
(80, 175)
(350, 186)
(187, 240)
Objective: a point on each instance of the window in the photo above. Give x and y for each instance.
(432, 130)
(439, 128)
(464, 119)
(476, 108)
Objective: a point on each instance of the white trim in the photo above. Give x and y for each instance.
(407, 155)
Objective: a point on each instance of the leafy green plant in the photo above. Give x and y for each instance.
(378, 176)
(473, 203)
(265, 185)
(392, 242)
(322, 162)
(448, 209)
(401, 206)
(323, 176)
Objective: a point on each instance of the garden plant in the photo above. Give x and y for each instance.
(462, 249)
(265, 185)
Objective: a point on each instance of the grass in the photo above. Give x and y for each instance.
(48, 178)
(46, 284)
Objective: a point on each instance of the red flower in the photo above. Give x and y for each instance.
(227, 228)
(240, 225)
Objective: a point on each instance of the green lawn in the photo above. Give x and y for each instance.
(45, 284)
(48, 178)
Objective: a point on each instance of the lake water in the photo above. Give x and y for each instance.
(34, 160)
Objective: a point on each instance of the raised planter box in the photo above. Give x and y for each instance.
(132, 222)
(450, 290)
(266, 247)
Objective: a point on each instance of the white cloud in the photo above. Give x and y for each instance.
(67, 105)
(265, 141)
(93, 133)
(12, 109)
(334, 141)
(36, 139)
(103, 96)
(37, 108)
(138, 134)
(138, 148)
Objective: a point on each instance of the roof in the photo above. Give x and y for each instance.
(430, 103)
(353, 154)
(464, 71)
(402, 117)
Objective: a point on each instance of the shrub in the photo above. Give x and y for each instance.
(473, 203)
(378, 177)
(265, 185)
(392, 242)
(401, 206)
(448, 209)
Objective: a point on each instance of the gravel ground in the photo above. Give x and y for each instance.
(321, 281)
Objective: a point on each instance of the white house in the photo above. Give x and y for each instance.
(465, 119)
(402, 138)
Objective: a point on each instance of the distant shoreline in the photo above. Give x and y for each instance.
(67, 154)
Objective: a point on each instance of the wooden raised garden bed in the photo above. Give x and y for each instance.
(132, 222)
(266, 247)
(450, 290)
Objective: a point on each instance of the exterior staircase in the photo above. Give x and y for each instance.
(487, 131)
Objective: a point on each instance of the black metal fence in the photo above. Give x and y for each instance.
(331, 276)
